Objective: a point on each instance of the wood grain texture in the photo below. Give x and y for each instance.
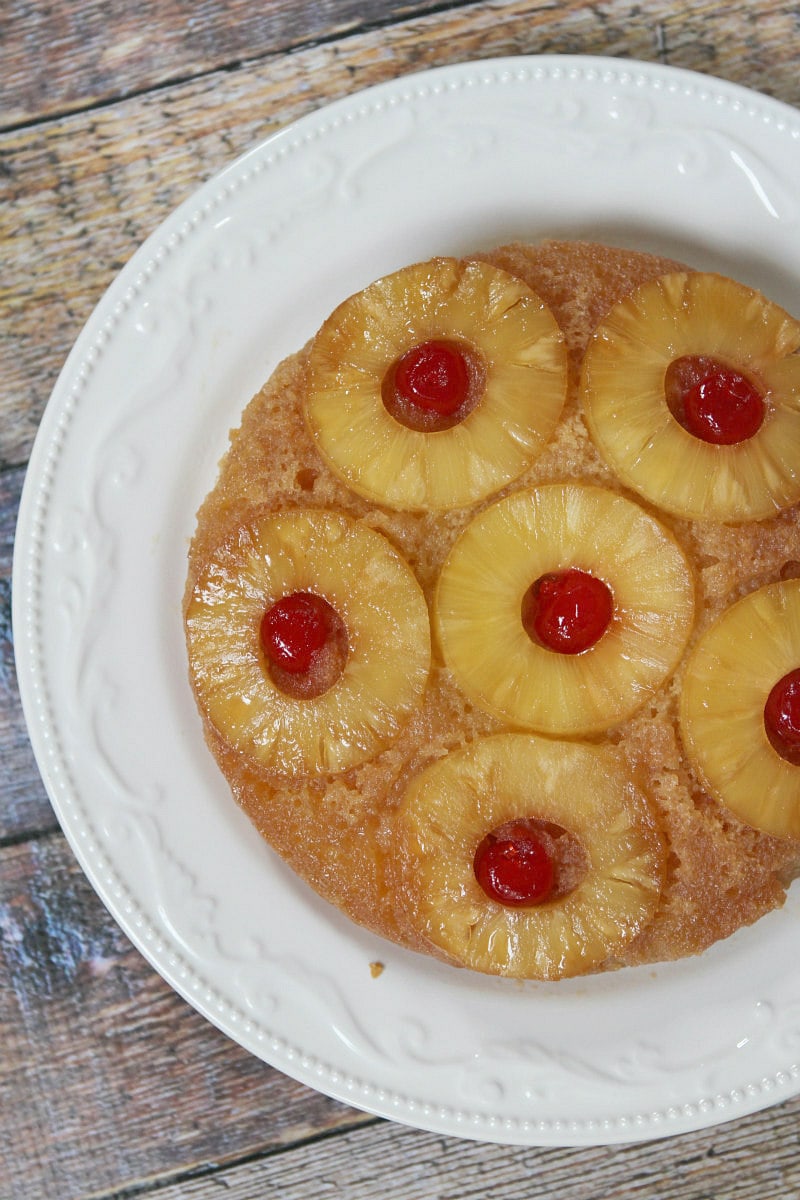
(57, 58)
(362, 1163)
(106, 1074)
(110, 1085)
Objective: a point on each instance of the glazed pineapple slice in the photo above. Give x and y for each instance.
(436, 385)
(740, 708)
(562, 608)
(691, 390)
(559, 834)
(309, 641)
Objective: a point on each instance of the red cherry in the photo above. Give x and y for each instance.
(782, 717)
(723, 408)
(513, 866)
(567, 611)
(433, 376)
(295, 629)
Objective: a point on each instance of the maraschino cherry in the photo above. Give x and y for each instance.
(433, 376)
(567, 611)
(295, 629)
(513, 866)
(782, 717)
(716, 404)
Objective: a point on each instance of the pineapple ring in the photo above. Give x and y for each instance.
(728, 678)
(497, 316)
(548, 529)
(623, 386)
(381, 603)
(588, 790)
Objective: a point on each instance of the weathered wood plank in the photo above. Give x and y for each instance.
(75, 54)
(107, 1076)
(749, 1160)
(84, 191)
(10, 491)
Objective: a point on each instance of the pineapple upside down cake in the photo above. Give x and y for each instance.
(493, 614)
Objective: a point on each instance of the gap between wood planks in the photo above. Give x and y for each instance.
(385, 16)
(210, 1170)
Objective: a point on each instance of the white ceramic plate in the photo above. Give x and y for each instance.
(242, 274)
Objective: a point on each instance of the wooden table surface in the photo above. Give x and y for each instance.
(110, 1085)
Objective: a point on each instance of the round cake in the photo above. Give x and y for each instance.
(493, 612)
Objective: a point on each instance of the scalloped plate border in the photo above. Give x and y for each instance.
(43, 531)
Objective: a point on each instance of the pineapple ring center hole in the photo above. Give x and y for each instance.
(305, 645)
(434, 385)
(529, 861)
(712, 401)
(567, 611)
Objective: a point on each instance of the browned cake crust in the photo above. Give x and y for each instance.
(337, 832)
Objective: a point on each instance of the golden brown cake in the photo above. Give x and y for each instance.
(434, 724)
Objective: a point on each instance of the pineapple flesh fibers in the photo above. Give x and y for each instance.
(728, 678)
(587, 791)
(504, 325)
(624, 397)
(527, 535)
(384, 612)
